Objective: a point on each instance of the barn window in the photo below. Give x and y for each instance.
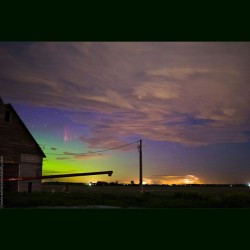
(7, 116)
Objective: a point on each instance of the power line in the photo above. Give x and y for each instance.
(99, 151)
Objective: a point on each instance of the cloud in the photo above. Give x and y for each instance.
(62, 158)
(47, 172)
(162, 90)
(191, 93)
(90, 156)
(112, 98)
(85, 156)
(177, 73)
(180, 179)
(55, 172)
(106, 143)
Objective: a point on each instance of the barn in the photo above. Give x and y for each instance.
(22, 156)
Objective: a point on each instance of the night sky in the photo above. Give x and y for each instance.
(187, 101)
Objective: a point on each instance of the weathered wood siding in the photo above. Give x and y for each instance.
(30, 167)
(14, 139)
(10, 171)
(28, 158)
(24, 185)
(21, 155)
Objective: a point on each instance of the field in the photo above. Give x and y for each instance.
(80, 196)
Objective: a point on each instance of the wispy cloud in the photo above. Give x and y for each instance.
(106, 142)
(62, 158)
(90, 156)
(85, 156)
(55, 172)
(136, 89)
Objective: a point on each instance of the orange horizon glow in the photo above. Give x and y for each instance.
(167, 180)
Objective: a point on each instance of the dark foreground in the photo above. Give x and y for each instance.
(131, 197)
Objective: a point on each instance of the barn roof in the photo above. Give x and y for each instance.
(10, 107)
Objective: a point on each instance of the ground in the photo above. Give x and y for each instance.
(80, 196)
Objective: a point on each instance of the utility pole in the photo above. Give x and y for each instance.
(140, 160)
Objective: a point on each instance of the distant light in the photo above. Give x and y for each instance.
(90, 184)
(248, 184)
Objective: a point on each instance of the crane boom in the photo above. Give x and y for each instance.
(109, 173)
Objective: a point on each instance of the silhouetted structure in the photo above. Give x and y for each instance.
(22, 156)
(140, 161)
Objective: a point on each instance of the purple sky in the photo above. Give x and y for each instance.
(187, 101)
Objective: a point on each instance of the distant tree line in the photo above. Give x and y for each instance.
(116, 183)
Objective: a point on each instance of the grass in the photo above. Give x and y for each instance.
(132, 198)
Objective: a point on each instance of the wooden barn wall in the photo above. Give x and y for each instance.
(14, 139)
(30, 167)
(10, 186)
(23, 186)
(9, 171)
(17, 147)
(30, 170)
(28, 158)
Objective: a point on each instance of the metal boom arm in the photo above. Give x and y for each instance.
(109, 173)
